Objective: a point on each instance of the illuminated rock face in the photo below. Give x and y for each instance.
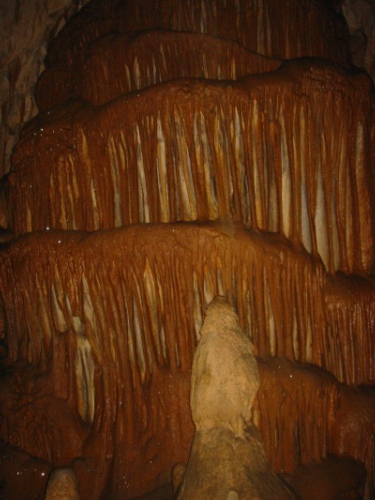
(225, 376)
(62, 484)
(173, 166)
(145, 167)
(227, 458)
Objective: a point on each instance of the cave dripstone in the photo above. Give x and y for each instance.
(183, 150)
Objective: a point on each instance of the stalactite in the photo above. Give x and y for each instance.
(119, 65)
(135, 323)
(113, 146)
(178, 155)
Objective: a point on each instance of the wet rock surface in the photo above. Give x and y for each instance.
(180, 153)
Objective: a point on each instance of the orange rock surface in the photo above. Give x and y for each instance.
(180, 153)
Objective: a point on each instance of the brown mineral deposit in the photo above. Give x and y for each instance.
(181, 153)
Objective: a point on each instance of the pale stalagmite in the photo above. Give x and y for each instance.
(62, 485)
(181, 153)
(227, 460)
(224, 375)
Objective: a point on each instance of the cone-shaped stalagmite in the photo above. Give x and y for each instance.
(181, 153)
(227, 459)
(62, 485)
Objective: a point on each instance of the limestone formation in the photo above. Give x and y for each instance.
(227, 459)
(360, 16)
(62, 485)
(224, 375)
(186, 149)
(26, 27)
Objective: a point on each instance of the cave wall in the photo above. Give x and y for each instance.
(115, 317)
(360, 16)
(143, 188)
(26, 27)
(194, 170)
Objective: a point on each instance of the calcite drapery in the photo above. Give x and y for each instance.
(273, 30)
(145, 167)
(229, 184)
(116, 65)
(152, 283)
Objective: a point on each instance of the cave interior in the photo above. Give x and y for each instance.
(185, 149)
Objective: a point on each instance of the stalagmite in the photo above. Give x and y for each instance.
(224, 374)
(62, 485)
(186, 149)
(227, 459)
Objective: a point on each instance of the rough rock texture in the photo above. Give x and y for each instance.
(225, 378)
(120, 63)
(159, 175)
(360, 16)
(21, 476)
(332, 478)
(22, 58)
(323, 411)
(62, 485)
(145, 167)
(26, 26)
(223, 466)
(227, 459)
(152, 284)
